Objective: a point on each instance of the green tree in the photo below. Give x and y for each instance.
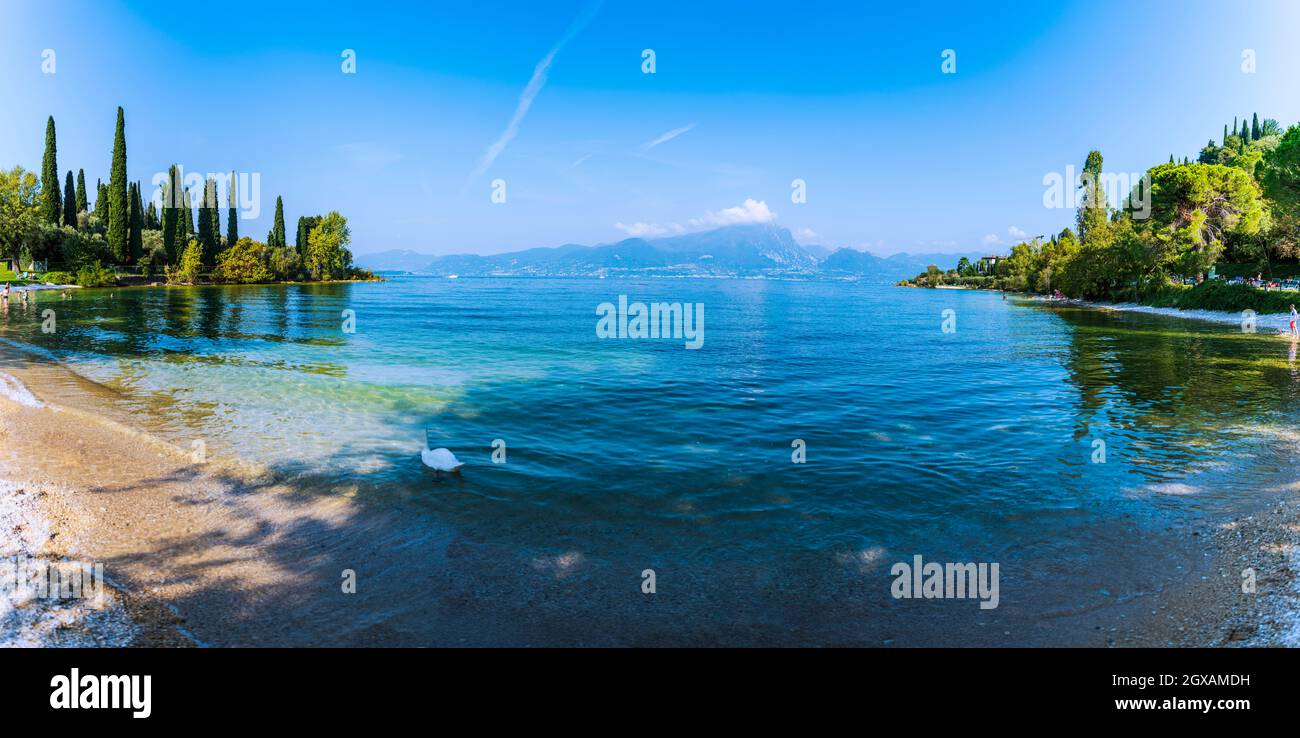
(305, 224)
(135, 242)
(1254, 127)
(83, 202)
(171, 216)
(285, 263)
(1055, 255)
(246, 262)
(21, 209)
(81, 249)
(1019, 271)
(1194, 207)
(69, 202)
(232, 215)
(214, 212)
(328, 256)
(51, 200)
(191, 262)
(276, 237)
(1280, 173)
(187, 215)
(1092, 201)
(1209, 154)
(118, 203)
(208, 239)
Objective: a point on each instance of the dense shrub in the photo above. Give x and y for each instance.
(1216, 295)
(95, 275)
(243, 263)
(187, 272)
(285, 263)
(58, 278)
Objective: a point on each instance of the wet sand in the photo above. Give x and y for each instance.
(209, 552)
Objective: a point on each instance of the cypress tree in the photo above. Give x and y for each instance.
(183, 230)
(305, 224)
(51, 200)
(206, 238)
(232, 219)
(1245, 130)
(1225, 134)
(1254, 127)
(1171, 158)
(169, 220)
(69, 202)
(276, 236)
(83, 204)
(118, 203)
(214, 212)
(101, 200)
(135, 244)
(151, 217)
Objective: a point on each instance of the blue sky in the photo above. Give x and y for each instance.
(747, 97)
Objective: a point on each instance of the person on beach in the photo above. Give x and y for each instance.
(5, 294)
(1294, 316)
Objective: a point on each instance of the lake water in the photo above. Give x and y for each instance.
(982, 444)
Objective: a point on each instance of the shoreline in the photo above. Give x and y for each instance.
(1221, 317)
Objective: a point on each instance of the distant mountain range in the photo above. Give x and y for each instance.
(731, 251)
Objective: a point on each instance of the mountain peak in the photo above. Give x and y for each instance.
(741, 249)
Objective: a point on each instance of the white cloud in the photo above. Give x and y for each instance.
(531, 90)
(670, 135)
(1015, 232)
(991, 239)
(750, 211)
(805, 234)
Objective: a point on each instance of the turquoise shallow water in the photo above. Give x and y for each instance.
(975, 445)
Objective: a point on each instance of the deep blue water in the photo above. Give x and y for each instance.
(971, 445)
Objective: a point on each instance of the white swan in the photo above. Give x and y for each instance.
(440, 459)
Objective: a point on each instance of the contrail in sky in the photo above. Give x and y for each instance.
(535, 85)
(674, 133)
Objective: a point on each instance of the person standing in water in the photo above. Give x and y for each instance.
(1294, 316)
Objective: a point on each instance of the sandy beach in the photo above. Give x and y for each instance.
(179, 539)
